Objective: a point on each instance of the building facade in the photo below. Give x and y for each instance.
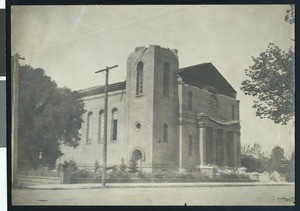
(162, 115)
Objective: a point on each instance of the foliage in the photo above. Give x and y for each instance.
(290, 176)
(40, 171)
(277, 160)
(133, 166)
(85, 173)
(123, 167)
(290, 15)
(251, 163)
(253, 158)
(96, 166)
(272, 81)
(48, 116)
(255, 150)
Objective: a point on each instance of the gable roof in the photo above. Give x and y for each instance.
(206, 75)
(101, 89)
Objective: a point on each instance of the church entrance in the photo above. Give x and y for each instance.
(137, 155)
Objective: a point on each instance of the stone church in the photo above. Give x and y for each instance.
(161, 115)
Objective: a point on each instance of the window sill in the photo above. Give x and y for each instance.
(113, 141)
(140, 95)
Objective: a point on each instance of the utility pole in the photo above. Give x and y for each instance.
(14, 122)
(105, 123)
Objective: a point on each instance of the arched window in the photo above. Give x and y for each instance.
(114, 126)
(232, 112)
(190, 100)
(190, 145)
(165, 133)
(139, 79)
(166, 79)
(101, 126)
(89, 128)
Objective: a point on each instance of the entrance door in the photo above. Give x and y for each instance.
(137, 155)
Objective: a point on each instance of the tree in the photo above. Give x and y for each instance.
(48, 116)
(277, 161)
(290, 177)
(253, 158)
(272, 81)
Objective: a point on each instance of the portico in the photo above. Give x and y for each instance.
(219, 141)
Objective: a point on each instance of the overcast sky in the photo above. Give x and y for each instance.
(72, 42)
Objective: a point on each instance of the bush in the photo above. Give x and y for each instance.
(251, 163)
(85, 173)
(40, 171)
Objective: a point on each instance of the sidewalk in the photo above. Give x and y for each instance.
(151, 185)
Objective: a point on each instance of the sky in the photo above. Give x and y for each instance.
(72, 42)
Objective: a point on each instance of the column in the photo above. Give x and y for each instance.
(236, 149)
(224, 146)
(180, 145)
(214, 146)
(202, 145)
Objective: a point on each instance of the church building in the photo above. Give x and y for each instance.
(162, 115)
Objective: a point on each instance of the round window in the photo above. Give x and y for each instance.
(138, 126)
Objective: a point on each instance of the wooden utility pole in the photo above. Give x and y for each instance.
(105, 123)
(14, 120)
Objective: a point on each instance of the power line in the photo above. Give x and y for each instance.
(78, 36)
(68, 35)
(107, 31)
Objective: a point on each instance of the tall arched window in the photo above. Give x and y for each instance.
(114, 126)
(190, 100)
(139, 79)
(101, 126)
(165, 133)
(166, 81)
(89, 128)
(190, 145)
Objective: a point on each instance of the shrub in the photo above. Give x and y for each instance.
(251, 163)
(84, 173)
(96, 166)
(133, 166)
(122, 166)
(40, 171)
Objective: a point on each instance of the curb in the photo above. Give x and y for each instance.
(154, 185)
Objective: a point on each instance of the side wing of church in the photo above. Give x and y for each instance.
(162, 115)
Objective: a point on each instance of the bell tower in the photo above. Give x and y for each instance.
(152, 106)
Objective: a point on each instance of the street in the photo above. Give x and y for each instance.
(236, 195)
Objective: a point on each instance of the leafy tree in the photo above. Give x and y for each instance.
(290, 177)
(48, 116)
(272, 81)
(277, 160)
(290, 15)
(253, 158)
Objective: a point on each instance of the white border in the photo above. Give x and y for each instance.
(2, 4)
(2, 78)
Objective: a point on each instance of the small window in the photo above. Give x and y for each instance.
(190, 145)
(114, 124)
(166, 79)
(232, 112)
(139, 79)
(89, 128)
(165, 133)
(190, 100)
(101, 126)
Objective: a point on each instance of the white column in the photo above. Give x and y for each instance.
(224, 146)
(214, 147)
(202, 145)
(180, 145)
